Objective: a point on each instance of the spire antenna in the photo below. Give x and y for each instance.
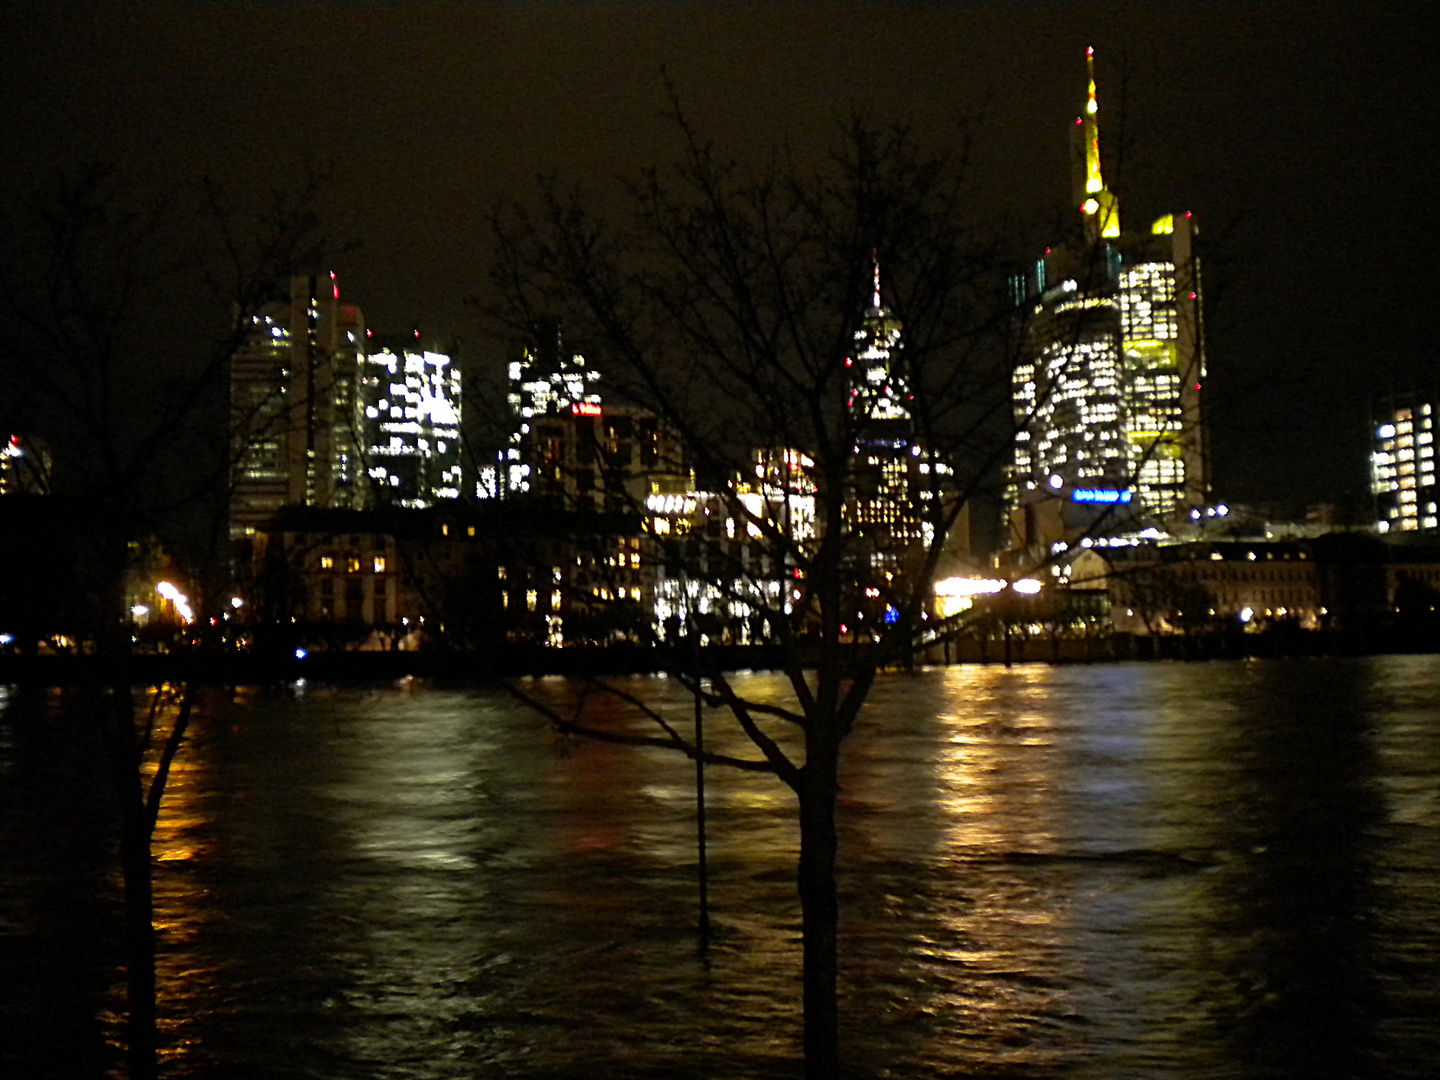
(1101, 209)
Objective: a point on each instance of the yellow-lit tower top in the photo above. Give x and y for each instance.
(1101, 208)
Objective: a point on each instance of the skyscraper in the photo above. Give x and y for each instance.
(1108, 395)
(549, 389)
(295, 417)
(887, 458)
(411, 401)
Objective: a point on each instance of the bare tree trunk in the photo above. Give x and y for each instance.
(141, 1035)
(819, 906)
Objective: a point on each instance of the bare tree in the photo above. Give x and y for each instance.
(832, 344)
(120, 315)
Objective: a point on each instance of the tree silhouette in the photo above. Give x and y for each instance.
(121, 311)
(831, 342)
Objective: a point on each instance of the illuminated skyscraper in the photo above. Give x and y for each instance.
(546, 384)
(887, 466)
(1108, 396)
(1402, 465)
(294, 407)
(411, 399)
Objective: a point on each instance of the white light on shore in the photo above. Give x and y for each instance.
(179, 599)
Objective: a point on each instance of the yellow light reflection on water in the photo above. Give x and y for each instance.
(182, 842)
(993, 769)
(964, 792)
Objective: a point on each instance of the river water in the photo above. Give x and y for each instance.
(1228, 869)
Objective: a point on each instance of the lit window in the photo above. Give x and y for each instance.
(327, 562)
(378, 564)
(532, 599)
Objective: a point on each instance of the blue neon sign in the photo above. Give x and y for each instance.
(1101, 495)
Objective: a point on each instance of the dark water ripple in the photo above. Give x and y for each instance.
(1165, 870)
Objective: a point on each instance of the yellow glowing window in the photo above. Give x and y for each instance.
(352, 564)
(327, 562)
(532, 599)
(378, 565)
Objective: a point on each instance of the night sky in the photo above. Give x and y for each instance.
(1303, 136)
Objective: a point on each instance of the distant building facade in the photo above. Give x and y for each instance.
(411, 401)
(1402, 463)
(545, 383)
(1345, 582)
(295, 419)
(471, 576)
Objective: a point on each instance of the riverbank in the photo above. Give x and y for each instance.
(244, 669)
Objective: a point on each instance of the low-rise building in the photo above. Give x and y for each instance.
(1340, 582)
(455, 574)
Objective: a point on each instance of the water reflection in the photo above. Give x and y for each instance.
(1221, 870)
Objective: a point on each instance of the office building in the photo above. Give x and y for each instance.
(411, 401)
(1108, 396)
(545, 383)
(1402, 463)
(295, 421)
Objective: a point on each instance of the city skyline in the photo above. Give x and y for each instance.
(1301, 141)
